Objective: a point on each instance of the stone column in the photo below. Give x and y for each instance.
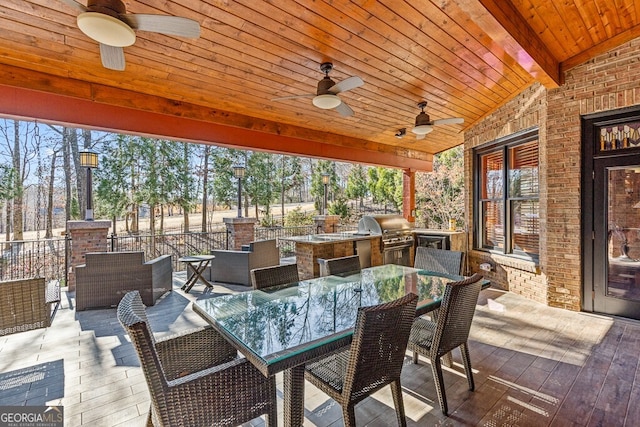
(326, 223)
(86, 236)
(241, 231)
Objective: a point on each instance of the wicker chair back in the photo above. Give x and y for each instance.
(272, 276)
(373, 360)
(196, 379)
(439, 260)
(342, 265)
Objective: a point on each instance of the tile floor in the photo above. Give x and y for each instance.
(533, 366)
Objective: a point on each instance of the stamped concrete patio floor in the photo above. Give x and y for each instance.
(534, 366)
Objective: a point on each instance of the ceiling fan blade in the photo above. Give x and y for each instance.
(112, 57)
(449, 121)
(346, 84)
(74, 4)
(163, 24)
(309, 95)
(344, 110)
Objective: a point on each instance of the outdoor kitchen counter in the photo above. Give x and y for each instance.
(310, 248)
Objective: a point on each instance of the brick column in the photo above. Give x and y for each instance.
(86, 236)
(241, 231)
(326, 223)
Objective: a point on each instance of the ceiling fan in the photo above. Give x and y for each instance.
(326, 97)
(424, 124)
(108, 23)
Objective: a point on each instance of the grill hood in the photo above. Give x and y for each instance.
(389, 224)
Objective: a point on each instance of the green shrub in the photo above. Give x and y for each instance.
(296, 218)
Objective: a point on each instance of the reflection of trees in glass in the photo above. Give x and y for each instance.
(430, 287)
(270, 322)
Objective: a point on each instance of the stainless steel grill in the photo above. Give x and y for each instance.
(397, 236)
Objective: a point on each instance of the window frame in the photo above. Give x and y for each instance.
(502, 145)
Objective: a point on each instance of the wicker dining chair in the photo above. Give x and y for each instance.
(438, 260)
(341, 265)
(451, 330)
(196, 379)
(272, 276)
(373, 360)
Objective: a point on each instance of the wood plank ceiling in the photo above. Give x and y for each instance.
(464, 57)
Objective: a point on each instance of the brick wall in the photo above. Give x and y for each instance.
(604, 83)
(86, 236)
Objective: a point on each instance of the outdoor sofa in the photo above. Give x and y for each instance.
(26, 304)
(107, 276)
(235, 267)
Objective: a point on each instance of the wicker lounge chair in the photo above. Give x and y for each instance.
(107, 276)
(451, 330)
(196, 379)
(272, 276)
(438, 260)
(341, 265)
(373, 360)
(26, 304)
(235, 266)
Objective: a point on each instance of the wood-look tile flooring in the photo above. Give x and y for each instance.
(533, 366)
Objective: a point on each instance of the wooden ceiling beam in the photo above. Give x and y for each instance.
(506, 26)
(601, 48)
(34, 95)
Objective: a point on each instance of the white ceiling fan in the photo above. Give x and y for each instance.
(326, 96)
(108, 23)
(424, 125)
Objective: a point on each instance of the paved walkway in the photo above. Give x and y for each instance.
(534, 366)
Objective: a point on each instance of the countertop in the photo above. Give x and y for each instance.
(436, 232)
(323, 239)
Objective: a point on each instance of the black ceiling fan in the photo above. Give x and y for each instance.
(326, 96)
(424, 125)
(108, 23)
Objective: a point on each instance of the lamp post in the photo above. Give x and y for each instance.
(325, 181)
(238, 172)
(89, 160)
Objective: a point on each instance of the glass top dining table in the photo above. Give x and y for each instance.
(283, 327)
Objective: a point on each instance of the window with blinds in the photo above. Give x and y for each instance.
(508, 215)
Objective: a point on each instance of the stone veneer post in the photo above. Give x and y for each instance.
(241, 231)
(86, 236)
(326, 223)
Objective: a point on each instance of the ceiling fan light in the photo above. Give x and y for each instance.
(106, 29)
(422, 129)
(326, 101)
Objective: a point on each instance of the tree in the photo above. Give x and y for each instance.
(6, 190)
(20, 142)
(259, 181)
(113, 187)
(440, 194)
(290, 175)
(385, 185)
(357, 185)
(224, 187)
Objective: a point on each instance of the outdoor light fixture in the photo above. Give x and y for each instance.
(89, 160)
(326, 101)
(325, 181)
(238, 172)
(106, 29)
(423, 122)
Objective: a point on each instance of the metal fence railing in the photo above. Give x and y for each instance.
(49, 257)
(174, 244)
(23, 259)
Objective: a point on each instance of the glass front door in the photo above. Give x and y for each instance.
(617, 236)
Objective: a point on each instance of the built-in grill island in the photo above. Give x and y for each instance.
(397, 236)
